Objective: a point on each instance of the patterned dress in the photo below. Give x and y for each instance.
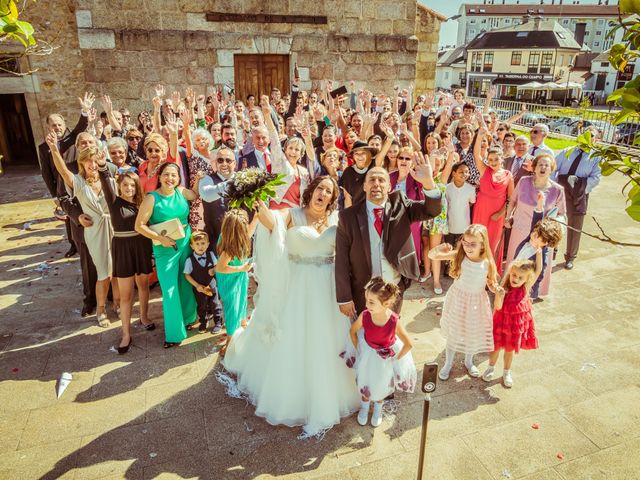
(197, 163)
(439, 225)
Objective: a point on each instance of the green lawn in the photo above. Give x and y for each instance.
(553, 143)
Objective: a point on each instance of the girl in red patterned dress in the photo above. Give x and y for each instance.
(513, 327)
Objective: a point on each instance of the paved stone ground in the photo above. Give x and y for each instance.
(161, 414)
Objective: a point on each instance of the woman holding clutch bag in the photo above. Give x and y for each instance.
(168, 205)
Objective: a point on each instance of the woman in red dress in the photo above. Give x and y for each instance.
(496, 186)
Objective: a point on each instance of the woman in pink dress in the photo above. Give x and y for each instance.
(523, 202)
(496, 186)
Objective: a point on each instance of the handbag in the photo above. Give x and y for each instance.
(171, 228)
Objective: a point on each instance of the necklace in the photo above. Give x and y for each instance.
(317, 222)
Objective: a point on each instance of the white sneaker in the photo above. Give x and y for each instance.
(488, 374)
(507, 380)
(363, 414)
(376, 418)
(444, 374)
(473, 371)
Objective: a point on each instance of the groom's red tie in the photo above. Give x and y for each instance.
(378, 212)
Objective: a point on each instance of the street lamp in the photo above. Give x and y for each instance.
(566, 93)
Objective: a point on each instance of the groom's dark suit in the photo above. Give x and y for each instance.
(353, 248)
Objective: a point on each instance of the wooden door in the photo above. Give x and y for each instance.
(258, 74)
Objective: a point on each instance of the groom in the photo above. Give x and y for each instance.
(374, 237)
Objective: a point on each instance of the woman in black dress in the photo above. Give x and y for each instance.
(131, 251)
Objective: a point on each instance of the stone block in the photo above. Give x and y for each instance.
(146, 74)
(274, 45)
(83, 19)
(383, 72)
(304, 73)
(321, 71)
(390, 10)
(135, 40)
(315, 43)
(166, 41)
(389, 43)
(126, 90)
(406, 72)
(197, 21)
(148, 20)
(173, 21)
(362, 43)
(404, 58)
(107, 75)
(224, 58)
(199, 75)
(96, 39)
(349, 26)
(381, 28)
(173, 75)
(412, 44)
(358, 72)
(196, 40)
(336, 43)
(377, 58)
(223, 75)
(186, 58)
(277, 28)
(404, 27)
(352, 9)
(206, 58)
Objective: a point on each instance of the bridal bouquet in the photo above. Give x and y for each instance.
(251, 184)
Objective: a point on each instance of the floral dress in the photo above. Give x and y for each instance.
(439, 225)
(197, 163)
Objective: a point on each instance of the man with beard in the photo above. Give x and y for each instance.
(229, 140)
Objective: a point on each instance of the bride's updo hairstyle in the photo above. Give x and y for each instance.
(385, 291)
(308, 192)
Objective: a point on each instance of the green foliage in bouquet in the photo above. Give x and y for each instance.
(251, 184)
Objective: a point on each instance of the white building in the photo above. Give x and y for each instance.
(589, 22)
(605, 79)
(451, 68)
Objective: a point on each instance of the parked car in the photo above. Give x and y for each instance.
(558, 123)
(570, 128)
(626, 132)
(531, 118)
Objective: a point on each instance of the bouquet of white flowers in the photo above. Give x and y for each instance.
(251, 184)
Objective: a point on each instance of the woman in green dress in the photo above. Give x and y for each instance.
(170, 201)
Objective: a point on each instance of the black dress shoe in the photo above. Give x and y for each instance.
(568, 265)
(123, 350)
(71, 252)
(87, 310)
(148, 326)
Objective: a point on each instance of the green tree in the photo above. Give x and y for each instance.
(628, 98)
(12, 28)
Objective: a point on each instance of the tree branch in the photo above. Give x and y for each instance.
(604, 238)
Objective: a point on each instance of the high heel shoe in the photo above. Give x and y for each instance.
(171, 344)
(123, 350)
(148, 326)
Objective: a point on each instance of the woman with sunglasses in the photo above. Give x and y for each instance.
(134, 137)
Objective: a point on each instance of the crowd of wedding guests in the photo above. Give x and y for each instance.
(115, 177)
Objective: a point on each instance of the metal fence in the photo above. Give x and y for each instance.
(564, 121)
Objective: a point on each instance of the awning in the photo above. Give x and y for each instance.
(530, 86)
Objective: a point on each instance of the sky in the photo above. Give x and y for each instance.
(448, 8)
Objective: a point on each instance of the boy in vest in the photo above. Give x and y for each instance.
(199, 270)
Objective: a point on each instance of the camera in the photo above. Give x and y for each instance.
(429, 377)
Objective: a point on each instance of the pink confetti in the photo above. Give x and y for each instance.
(536, 426)
(560, 455)
(15, 370)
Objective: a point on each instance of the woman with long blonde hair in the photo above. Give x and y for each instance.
(467, 321)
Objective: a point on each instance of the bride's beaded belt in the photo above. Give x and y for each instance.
(311, 260)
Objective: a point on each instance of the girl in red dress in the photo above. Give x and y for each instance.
(513, 327)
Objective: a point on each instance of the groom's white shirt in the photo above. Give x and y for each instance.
(380, 267)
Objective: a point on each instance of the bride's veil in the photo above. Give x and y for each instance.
(271, 271)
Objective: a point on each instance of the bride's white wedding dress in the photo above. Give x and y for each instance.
(287, 359)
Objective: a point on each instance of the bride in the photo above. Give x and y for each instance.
(287, 359)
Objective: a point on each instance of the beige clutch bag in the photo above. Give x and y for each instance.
(171, 228)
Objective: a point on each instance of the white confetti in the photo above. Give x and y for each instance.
(153, 454)
(586, 366)
(27, 226)
(113, 349)
(506, 473)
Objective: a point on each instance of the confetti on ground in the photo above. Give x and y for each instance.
(536, 426)
(560, 455)
(153, 454)
(506, 473)
(586, 366)
(113, 349)
(247, 427)
(27, 226)
(43, 267)
(15, 370)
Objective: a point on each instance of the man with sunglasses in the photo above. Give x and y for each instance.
(211, 188)
(538, 133)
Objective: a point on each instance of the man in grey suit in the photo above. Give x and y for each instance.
(519, 164)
